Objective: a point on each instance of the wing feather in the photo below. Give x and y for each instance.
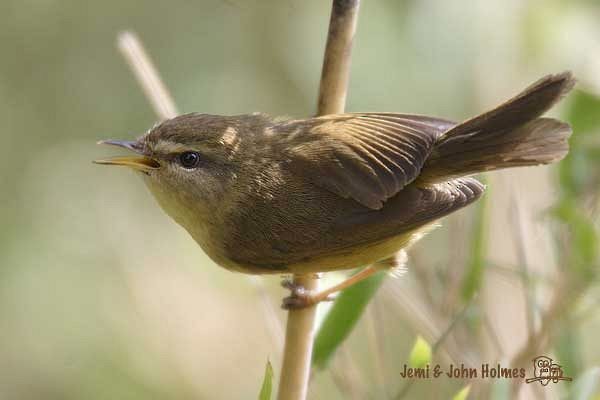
(368, 157)
(411, 209)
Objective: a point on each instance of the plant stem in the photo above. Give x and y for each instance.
(295, 370)
(297, 352)
(155, 90)
(336, 63)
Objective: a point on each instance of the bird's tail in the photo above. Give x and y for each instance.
(511, 135)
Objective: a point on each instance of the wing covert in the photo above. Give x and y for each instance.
(368, 157)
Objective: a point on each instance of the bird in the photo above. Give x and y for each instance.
(267, 195)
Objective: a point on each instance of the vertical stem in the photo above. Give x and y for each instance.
(297, 352)
(295, 369)
(336, 63)
(155, 90)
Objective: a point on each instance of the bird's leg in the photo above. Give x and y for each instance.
(301, 298)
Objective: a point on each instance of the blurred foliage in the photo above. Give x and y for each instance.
(579, 178)
(477, 259)
(463, 394)
(343, 316)
(586, 387)
(579, 182)
(102, 296)
(501, 391)
(568, 347)
(267, 385)
(420, 355)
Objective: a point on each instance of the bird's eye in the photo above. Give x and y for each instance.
(189, 159)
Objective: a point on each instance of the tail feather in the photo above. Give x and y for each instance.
(510, 135)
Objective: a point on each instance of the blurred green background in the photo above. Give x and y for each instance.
(103, 297)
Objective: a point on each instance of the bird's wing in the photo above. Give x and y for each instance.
(412, 208)
(368, 157)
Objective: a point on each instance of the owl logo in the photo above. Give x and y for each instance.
(544, 371)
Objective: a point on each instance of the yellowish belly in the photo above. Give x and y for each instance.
(361, 255)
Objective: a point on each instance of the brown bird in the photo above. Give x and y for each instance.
(263, 195)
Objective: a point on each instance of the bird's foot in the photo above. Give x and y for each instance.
(302, 298)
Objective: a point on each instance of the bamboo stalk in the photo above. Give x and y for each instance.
(153, 87)
(295, 370)
(336, 63)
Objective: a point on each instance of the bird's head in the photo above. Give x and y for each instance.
(189, 162)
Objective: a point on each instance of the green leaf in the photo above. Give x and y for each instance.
(476, 264)
(583, 238)
(267, 385)
(583, 113)
(574, 170)
(463, 393)
(420, 355)
(346, 310)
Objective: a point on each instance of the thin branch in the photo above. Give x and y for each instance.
(336, 63)
(295, 371)
(519, 239)
(155, 90)
(297, 351)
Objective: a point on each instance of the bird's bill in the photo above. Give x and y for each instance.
(138, 162)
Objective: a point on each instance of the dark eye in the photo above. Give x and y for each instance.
(189, 159)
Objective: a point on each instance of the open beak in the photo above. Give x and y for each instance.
(139, 162)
